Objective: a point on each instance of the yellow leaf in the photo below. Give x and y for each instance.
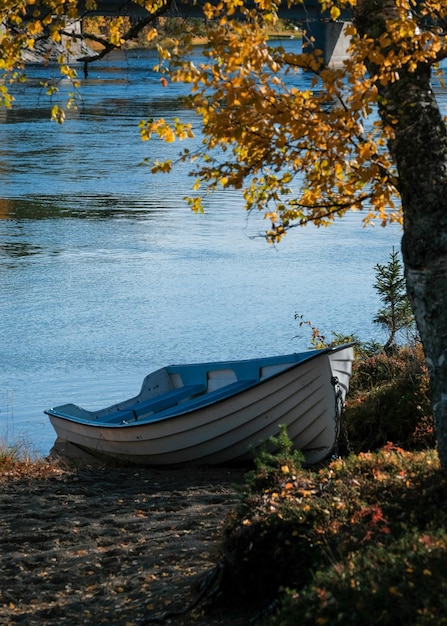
(151, 34)
(57, 114)
(335, 13)
(35, 28)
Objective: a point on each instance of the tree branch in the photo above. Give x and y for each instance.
(131, 33)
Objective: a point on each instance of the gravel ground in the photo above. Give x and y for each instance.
(111, 546)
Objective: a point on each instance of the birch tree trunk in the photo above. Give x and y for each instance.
(419, 150)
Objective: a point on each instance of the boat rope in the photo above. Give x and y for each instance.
(341, 432)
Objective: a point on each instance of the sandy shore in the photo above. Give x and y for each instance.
(110, 546)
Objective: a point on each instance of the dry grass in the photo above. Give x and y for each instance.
(19, 460)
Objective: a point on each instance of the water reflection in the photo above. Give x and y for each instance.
(18, 249)
(80, 207)
(7, 206)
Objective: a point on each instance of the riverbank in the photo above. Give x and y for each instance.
(94, 545)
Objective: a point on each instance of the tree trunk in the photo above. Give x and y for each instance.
(419, 150)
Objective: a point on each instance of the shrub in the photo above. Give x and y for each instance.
(386, 546)
(386, 586)
(389, 400)
(360, 541)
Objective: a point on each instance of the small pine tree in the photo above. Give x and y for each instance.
(396, 314)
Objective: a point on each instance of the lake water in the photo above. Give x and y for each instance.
(106, 274)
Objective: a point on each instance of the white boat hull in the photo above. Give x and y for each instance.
(302, 397)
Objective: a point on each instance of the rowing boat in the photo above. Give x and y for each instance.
(218, 412)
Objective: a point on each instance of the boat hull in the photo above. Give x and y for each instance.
(303, 397)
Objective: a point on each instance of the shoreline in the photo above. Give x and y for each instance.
(110, 545)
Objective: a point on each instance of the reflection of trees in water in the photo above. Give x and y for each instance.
(6, 206)
(89, 207)
(18, 249)
(19, 218)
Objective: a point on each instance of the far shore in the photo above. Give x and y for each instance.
(198, 41)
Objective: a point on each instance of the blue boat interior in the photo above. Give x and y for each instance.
(177, 389)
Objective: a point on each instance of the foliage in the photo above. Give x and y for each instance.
(97, 30)
(385, 547)
(378, 584)
(273, 457)
(299, 155)
(389, 400)
(26, 24)
(362, 540)
(396, 314)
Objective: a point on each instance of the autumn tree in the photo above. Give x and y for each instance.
(366, 136)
